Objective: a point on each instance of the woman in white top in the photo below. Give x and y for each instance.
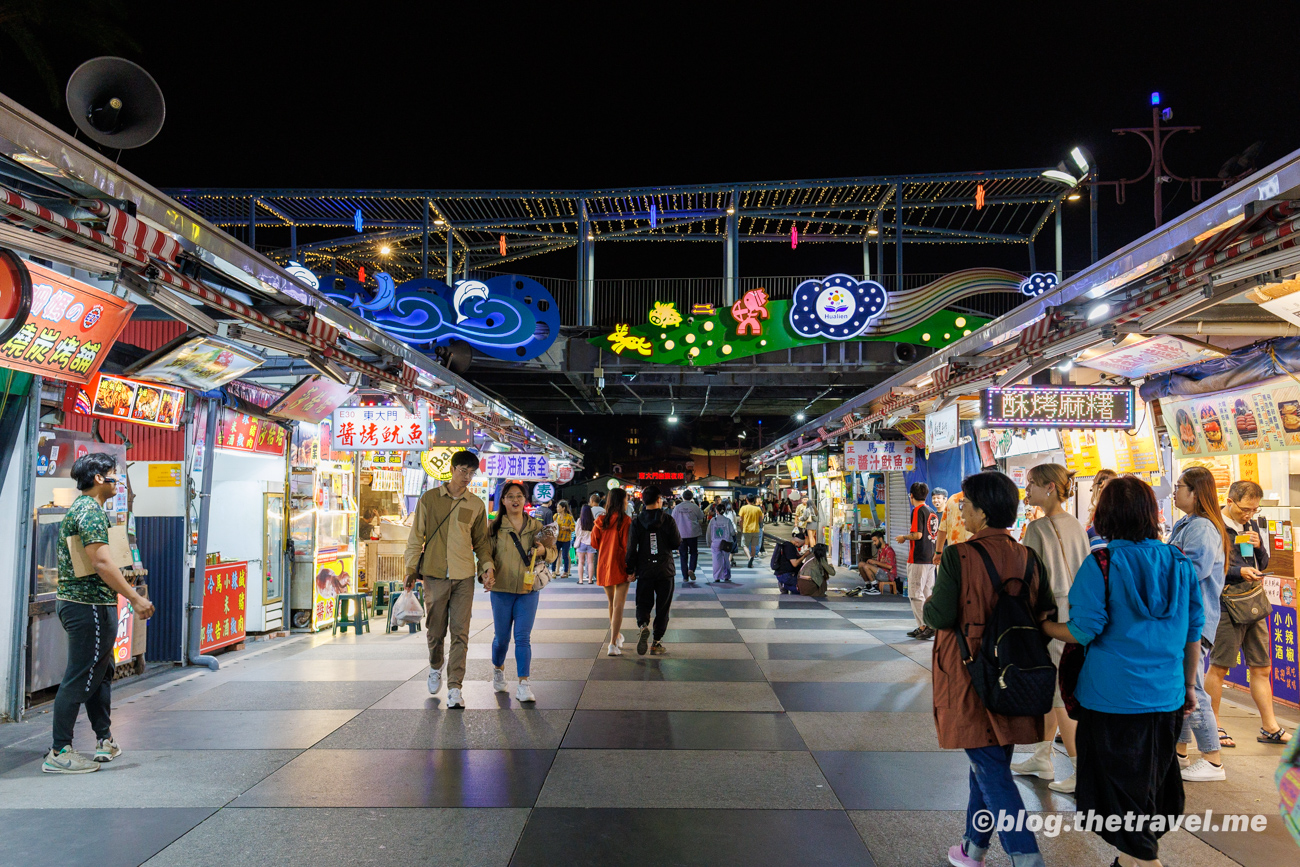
(1061, 544)
(586, 553)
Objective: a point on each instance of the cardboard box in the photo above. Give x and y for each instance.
(118, 546)
(139, 638)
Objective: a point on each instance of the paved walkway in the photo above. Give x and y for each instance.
(778, 731)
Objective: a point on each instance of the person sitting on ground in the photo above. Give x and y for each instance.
(963, 599)
(815, 573)
(787, 559)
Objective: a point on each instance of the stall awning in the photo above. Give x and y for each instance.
(1267, 360)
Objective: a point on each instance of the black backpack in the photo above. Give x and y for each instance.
(1012, 672)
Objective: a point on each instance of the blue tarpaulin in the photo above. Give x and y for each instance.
(1243, 367)
(945, 469)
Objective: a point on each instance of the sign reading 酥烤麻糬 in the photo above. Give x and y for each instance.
(1059, 406)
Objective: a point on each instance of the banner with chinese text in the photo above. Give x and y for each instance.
(378, 428)
(242, 432)
(69, 331)
(1058, 406)
(510, 466)
(224, 589)
(311, 400)
(1257, 418)
(878, 456)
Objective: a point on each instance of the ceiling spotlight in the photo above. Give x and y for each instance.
(385, 250)
(730, 211)
(1060, 176)
(1080, 160)
(672, 414)
(1074, 197)
(1065, 366)
(741, 435)
(873, 231)
(440, 222)
(799, 416)
(1098, 311)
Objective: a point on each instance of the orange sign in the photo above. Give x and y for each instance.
(125, 399)
(69, 330)
(311, 400)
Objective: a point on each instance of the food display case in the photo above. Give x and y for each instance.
(322, 529)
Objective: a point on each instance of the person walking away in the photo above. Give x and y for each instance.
(1203, 539)
(449, 532)
(786, 560)
(920, 558)
(1248, 560)
(964, 599)
(721, 530)
(87, 608)
(879, 563)
(565, 526)
(650, 547)
(815, 573)
(751, 529)
(1137, 608)
(609, 537)
(520, 543)
(1099, 481)
(690, 526)
(1061, 544)
(544, 513)
(586, 551)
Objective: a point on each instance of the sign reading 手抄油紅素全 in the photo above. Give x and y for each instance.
(514, 466)
(378, 428)
(1060, 406)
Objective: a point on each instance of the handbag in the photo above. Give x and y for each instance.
(1073, 654)
(727, 546)
(541, 575)
(1246, 602)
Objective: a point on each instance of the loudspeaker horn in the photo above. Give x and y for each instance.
(115, 102)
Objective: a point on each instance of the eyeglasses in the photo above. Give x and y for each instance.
(110, 480)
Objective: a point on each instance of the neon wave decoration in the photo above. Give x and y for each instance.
(508, 317)
(913, 306)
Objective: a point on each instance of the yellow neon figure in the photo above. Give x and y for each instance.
(665, 315)
(622, 340)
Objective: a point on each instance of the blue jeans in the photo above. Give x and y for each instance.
(689, 554)
(519, 610)
(564, 556)
(1201, 722)
(992, 790)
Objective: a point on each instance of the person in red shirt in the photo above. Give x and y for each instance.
(880, 565)
(920, 560)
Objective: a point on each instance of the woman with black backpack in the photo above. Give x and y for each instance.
(978, 580)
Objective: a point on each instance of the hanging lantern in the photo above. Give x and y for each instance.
(357, 222)
(503, 245)
(979, 197)
(794, 237)
(654, 216)
(361, 273)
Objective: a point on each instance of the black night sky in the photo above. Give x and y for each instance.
(503, 95)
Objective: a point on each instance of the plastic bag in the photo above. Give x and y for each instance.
(407, 609)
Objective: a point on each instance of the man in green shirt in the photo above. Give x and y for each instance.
(87, 608)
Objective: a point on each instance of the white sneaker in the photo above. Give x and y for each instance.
(106, 749)
(620, 641)
(435, 681)
(1184, 762)
(614, 650)
(524, 692)
(499, 680)
(1204, 772)
(67, 761)
(1039, 765)
(1066, 785)
(454, 698)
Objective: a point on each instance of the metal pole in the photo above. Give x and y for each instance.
(1033, 262)
(15, 699)
(731, 258)
(424, 244)
(252, 224)
(451, 265)
(1092, 211)
(197, 580)
(898, 235)
(866, 257)
(293, 241)
(1060, 255)
(586, 269)
(880, 250)
(1157, 154)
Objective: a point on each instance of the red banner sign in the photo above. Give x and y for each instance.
(661, 477)
(123, 399)
(240, 432)
(69, 330)
(224, 589)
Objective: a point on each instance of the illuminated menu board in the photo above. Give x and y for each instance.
(1059, 406)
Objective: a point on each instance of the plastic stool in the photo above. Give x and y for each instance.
(360, 619)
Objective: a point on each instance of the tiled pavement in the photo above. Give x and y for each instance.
(778, 730)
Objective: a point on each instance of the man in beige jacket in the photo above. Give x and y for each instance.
(449, 532)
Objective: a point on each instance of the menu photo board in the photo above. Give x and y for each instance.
(311, 400)
(200, 362)
(122, 399)
(69, 329)
(1137, 356)
(1257, 418)
(1088, 407)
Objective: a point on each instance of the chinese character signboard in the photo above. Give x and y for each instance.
(524, 467)
(201, 363)
(240, 432)
(1258, 418)
(661, 477)
(311, 400)
(1139, 356)
(123, 399)
(225, 587)
(378, 428)
(333, 576)
(879, 456)
(450, 428)
(70, 328)
(942, 430)
(1043, 406)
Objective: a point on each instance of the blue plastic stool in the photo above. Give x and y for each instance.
(360, 618)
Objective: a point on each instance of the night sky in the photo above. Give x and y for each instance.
(501, 95)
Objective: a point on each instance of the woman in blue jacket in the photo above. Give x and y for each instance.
(1141, 622)
(1203, 539)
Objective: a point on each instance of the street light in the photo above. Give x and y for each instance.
(799, 416)
(672, 414)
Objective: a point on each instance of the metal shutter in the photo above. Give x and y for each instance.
(898, 517)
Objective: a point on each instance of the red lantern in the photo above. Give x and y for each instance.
(361, 273)
(979, 197)
(503, 245)
(794, 237)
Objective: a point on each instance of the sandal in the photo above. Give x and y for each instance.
(1225, 739)
(1278, 737)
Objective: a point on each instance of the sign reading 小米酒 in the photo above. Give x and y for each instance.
(509, 466)
(381, 428)
(1059, 406)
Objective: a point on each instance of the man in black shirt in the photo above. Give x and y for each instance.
(922, 534)
(651, 542)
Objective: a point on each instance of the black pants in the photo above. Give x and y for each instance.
(690, 548)
(654, 593)
(91, 629)
(1126, 764)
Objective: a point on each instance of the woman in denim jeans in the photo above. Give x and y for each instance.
(1203, 539)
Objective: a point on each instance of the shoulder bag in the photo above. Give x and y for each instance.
(541, 575)
(1246, 602)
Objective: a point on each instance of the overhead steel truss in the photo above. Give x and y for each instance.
(444, 232)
